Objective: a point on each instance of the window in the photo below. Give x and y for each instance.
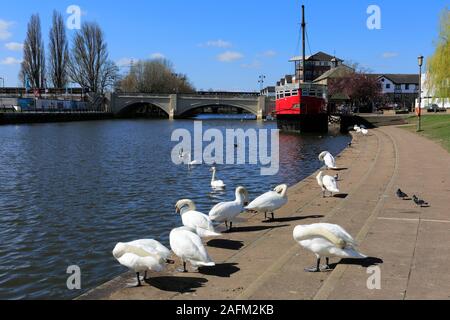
(398, 87)
(388, 85)
(406, 86)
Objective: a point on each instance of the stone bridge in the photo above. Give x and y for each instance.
(180, 105)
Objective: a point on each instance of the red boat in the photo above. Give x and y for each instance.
(301, 106)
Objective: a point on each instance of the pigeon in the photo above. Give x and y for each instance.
(420, 202)
(401, 194)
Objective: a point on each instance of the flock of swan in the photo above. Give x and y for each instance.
(323, 239)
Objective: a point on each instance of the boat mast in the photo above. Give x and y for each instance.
(303, 43)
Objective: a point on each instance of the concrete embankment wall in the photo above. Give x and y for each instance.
(23, 117)
(372, 120)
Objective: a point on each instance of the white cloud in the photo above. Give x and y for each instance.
(229, 56)
(4, 29)
(10, 61)
(14, 46)
(387, 55)
(254, 65)
(217, 43)
(157, 55)
(124, 62)
(268, 53)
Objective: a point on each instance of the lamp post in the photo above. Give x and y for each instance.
(261, 82)
(419, 112)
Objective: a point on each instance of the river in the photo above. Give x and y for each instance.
(70, 191)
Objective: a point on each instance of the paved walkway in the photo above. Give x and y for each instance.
(411, 245)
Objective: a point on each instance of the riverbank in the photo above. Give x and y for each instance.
(47, 117)
(408, 243)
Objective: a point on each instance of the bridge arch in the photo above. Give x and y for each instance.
(189, 109)
(143, 108)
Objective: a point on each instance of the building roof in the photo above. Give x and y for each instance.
(319, 56)
(337, 72)
(398, 78)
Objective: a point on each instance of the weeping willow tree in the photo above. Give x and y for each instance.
(438, 65)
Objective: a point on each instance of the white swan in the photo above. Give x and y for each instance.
(187, 245)
(329, 160)
(142, 256)
(216, 183)
(270, 201)
(187, 159)
(356, 128)
(364, 131)
(326, 240)
(228, 211)
(327, 183)
(194, 219)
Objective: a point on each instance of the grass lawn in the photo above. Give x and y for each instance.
(434, 127)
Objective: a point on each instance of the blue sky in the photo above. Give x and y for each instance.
(226, 45)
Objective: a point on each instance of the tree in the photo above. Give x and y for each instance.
(33, 65)
(155, 76)
(59, 52)
(89, 64)
(362, 89)
(438, 65)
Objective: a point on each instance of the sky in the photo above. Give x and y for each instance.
(227, 45)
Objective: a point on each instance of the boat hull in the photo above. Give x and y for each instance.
(303, 123)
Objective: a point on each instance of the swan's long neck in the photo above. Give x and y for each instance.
(213, 176)
(187, 207)
(324, 233)
(240, 198)
(319, 179)
(283, 191)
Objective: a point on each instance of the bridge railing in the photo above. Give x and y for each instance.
(197, 94)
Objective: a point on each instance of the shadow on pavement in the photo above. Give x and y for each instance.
(290, 219)
(176, 284)
(367, 262)
(225, 244)
(257, 228)
(224, 270)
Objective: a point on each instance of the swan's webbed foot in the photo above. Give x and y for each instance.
(183, 270)
(314, 269)
(135, 285)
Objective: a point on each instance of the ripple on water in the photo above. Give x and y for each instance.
(70, 191)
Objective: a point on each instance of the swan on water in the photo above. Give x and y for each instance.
(194, 219)
(186, 157)
(228, 211)
(141, 256)
(326, 240)
(188, 246)
(270, 201)
(216, 183)
(328, 159)
(327, 183)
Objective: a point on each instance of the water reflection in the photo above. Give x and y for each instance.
(70, 191)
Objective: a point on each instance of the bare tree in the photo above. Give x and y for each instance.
(59, 52)
(33, 65)
(89, 64)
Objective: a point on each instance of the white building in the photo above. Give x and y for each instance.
(428, 99)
